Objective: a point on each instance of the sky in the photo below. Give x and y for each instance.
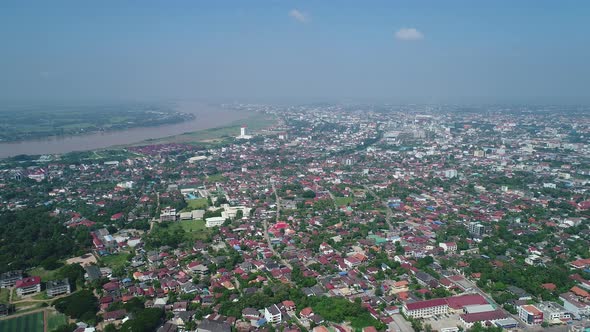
(297, 51)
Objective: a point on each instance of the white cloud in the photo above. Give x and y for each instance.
(299, 16)
(408, 34)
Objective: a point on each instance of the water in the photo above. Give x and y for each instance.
(206, 116)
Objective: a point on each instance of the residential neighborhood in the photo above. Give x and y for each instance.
(334, 218)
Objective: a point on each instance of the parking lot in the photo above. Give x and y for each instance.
(442, 321)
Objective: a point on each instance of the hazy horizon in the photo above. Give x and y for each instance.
(425, 52)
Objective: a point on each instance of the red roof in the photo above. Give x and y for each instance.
(28, 282)
(426, 304)
(458, 302)
(483, 316)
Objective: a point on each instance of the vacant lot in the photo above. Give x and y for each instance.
(194, 228)
(29, 323)
(115, 261)
(55, 319)
(342, 200)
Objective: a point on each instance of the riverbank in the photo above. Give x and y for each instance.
(205, 117)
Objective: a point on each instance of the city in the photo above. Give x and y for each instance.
(333, 217)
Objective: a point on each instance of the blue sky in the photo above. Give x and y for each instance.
(394, 51)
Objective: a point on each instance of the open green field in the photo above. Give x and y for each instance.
(28, 323)
(342, 200)
(45, 275)
(115, 261)
(216, 178)
(194, 228)
(55, 319)
(196, 204)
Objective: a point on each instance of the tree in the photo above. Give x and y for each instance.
(82, 305)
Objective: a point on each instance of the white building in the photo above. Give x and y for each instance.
(243, 134)
(214, 221)
(272, 314)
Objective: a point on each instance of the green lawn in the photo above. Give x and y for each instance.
(4, 295)
(216, 178)
(196, 204)
(55, 319)
(29, 323)
(45, 275)
(115, 261)
(195, 229)
(342, 200)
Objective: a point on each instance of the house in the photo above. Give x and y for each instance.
(272, 314)
(168, 327)
(207, 325)
(448, 246)
(288, 305)
(28, 286)
(305, 313)
(58, 287)
(114, 315)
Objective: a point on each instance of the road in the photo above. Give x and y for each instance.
(389, 213)
(265, 223)
(157, 211)
(399, 324)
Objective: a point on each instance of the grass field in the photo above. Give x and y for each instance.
(55, 319)
(195, 229)
(216, 178)
(343, 200)
(115, 261)
(4, 295)
(28, 323)
(45, 275)
(196, 204)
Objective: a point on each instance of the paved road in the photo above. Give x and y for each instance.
(399, 324)
(265, 223)
(389, 213)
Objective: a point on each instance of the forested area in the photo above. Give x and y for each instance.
(32, 237)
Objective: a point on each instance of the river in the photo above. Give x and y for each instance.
(206, 116)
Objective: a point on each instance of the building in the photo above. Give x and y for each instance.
(272, 314)
(574, 305)
(450, 173)
(428, 308)
(476, 229)
(168, 214)
(553, 312)
(448, 246)
(530, 314)
(9, 279)
(28, 286)
(58, 287)
(214, 221)
(208, 325)
(468, 320)
(243, 134)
